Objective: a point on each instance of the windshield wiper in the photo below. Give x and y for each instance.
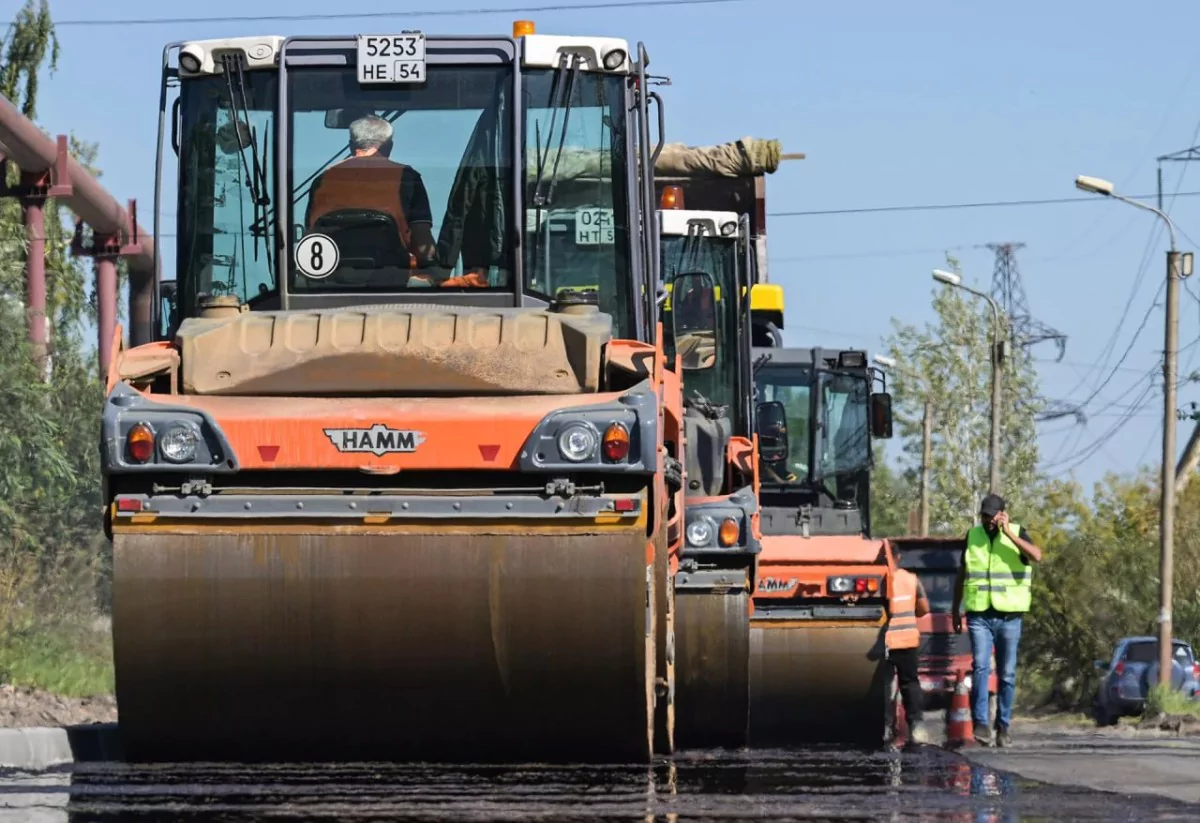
(256, 176)
(541, 202)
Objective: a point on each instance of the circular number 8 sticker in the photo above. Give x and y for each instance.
(317, 256)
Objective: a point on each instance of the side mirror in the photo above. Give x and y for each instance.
(772, 431)
(168, 308)
(1101, 665)
(694, 320)
(881, 415)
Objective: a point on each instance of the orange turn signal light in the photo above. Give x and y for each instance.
(140, 443)
(727, 534)
(672, 198)
(615, 442)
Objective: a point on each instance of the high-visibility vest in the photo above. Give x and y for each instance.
(902, 631)
(370, 183)
(996, 576)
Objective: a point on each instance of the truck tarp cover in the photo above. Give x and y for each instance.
(748, 157)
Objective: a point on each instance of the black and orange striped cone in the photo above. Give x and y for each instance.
(960, 729)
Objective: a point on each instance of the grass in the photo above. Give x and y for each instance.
(1162, 700)
(67, 662)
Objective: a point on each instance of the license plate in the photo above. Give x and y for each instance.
(394, 58)
(594, 227)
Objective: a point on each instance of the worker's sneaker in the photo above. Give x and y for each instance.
(983, 735)
(1003, 739)
(917, 733)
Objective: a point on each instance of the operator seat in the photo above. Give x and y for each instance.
(369, 246)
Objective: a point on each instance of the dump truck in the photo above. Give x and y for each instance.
(715, 571)
(818, 664)
(394, 480)
(945, 653)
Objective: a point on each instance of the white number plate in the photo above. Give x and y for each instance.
(398, 58)
(594, 227)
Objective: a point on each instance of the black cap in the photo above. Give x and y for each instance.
(992, 505)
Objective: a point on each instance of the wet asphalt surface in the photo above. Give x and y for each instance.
(833, 784)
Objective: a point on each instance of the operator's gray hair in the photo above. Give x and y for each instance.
(370, 132)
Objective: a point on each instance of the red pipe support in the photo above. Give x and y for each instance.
(35, 274)
(23, 142)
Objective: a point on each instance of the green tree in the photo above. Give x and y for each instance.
(948, 363)
(49, 480)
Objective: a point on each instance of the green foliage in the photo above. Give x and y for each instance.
(1162, 700)
(51, 556)
(948, 363)
(28, 45)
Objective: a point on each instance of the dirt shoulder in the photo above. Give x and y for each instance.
(1126, 759)
(23, 707)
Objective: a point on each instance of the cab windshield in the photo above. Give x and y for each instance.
(224, 245)
(429, 207)
(718, 258)
(793, 388)
(845, 444)
(411, 183)
(577, 218)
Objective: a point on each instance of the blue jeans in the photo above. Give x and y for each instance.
(1003, 630)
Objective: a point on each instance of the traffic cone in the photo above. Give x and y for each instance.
(960, 729)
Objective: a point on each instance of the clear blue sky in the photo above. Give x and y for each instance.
(931, 102)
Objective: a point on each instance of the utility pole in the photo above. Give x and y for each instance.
(997, 382)
(1167, 510)
(926, 458)
(1179, 266)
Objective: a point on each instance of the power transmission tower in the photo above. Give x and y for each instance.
(1009, 292)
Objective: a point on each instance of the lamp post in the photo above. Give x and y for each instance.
(1178, 267)
(952, 279)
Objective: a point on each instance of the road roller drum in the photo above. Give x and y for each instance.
(387, 644)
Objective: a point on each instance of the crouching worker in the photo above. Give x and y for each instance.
(906, 602)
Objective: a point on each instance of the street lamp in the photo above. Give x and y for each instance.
(1178, 267)
(952, 279)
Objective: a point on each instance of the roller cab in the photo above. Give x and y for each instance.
(820, 605)
(716, 569)
(393, 483)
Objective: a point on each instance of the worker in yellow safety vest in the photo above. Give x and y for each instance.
(906, 602)
(994, 586)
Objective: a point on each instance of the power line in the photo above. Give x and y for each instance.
(987, 204)
(378, 15)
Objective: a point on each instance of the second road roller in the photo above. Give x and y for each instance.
(818, 660)
(393, 480)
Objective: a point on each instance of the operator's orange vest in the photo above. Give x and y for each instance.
(371, 182)
(902, 631)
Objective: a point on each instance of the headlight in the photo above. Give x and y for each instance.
(178, 444)
(577, 442)
(840, 585)
(699, 533)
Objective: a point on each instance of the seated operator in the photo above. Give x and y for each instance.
(369, 180)
(774, 461)
(695, 337)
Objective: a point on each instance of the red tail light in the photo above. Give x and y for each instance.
(1196, 671)
(1120, 669)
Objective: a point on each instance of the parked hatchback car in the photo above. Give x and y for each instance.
(1133, 671)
